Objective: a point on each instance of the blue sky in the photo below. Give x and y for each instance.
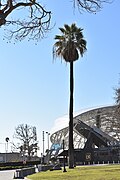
(35, 90)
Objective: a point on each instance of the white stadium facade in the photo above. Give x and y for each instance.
(94, 130)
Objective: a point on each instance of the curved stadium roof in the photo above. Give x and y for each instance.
(88, 116)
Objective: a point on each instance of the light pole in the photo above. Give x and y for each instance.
(48, 134)
(6, 149)
(43, 133)
(43, 143)
(7, 139)
(64, 169)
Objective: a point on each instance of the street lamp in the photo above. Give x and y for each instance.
(64, 169)
(6, 148)
(43, 143)
(48, 134)
(7, 139)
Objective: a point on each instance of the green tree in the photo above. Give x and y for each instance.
(69, 45)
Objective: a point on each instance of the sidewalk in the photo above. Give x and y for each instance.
(9, 175)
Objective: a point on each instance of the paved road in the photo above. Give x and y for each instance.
(7, 175)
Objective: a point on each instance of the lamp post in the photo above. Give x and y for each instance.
(7, 139)
(43, 147)
(6, 148)
(43, 143)
(48, 134)
(64, 169)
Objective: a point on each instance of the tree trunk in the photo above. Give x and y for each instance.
(71, 147)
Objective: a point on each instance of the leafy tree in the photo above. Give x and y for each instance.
(28, 139)
(36, 19)
(69, 45)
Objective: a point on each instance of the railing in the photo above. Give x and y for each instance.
(97, 163)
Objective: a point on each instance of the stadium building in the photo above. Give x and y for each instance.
(96, 136)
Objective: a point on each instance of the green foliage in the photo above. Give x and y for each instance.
(70, 44)
(108, 172)
(11, 167)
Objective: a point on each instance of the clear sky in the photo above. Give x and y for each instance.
(35, 90)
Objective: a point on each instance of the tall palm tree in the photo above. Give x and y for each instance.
(69, 45)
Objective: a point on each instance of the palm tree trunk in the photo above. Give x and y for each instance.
(71, 147)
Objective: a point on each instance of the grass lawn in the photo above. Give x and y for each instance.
(103, 172)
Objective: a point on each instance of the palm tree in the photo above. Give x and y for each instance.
(69, 46)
